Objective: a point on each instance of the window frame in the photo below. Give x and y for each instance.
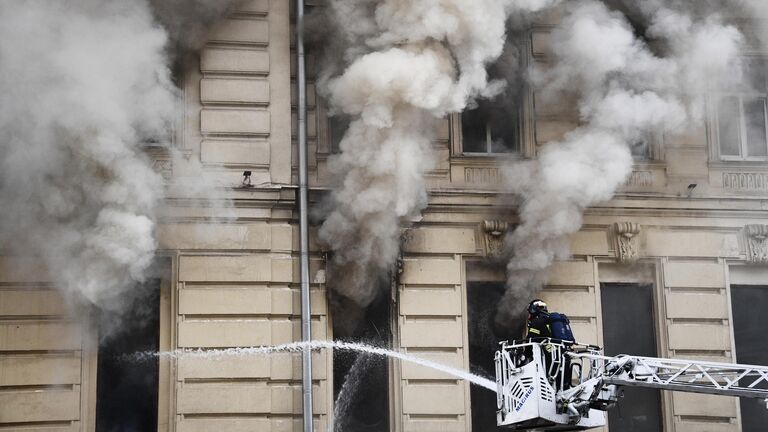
(526, 122)
(525, 147)
(743, 141)
(713, 127)
(489, 139)
(608, 270)
(654, 153)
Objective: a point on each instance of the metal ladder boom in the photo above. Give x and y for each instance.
(693, 376)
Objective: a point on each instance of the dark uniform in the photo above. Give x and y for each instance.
(539, 323)
(539, 326)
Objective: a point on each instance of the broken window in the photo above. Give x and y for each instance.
(742, 117)
(487, 129)
(126, 387)
(628, 328)
(749, 302)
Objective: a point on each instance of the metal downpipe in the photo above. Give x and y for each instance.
(306, 323)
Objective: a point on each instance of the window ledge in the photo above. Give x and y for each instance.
(486, 157)
(740, 164)
(649, 163)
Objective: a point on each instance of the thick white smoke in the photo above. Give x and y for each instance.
(84, 84)
(625, 93)
(406, 64)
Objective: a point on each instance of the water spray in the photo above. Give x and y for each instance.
(299, 347)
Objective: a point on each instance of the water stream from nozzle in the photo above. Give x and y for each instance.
(297, 347)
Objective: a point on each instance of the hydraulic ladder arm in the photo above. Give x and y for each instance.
(551, 385)
(727, 379)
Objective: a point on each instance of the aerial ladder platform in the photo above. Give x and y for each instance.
(551, 385)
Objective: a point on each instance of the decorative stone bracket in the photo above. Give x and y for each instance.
(493, 237)
(627, 244)
(162, 162)
(757, 243)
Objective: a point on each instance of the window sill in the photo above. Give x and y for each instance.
(649, 163)
(488, 156)
(761, 165)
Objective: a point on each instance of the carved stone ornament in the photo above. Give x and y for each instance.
(757, 243)
(162, 162)
(627, 248)
(164, 167)
(493, 235)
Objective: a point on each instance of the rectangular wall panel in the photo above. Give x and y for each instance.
(234, 60)
(36, 370)
(433, 399)
(38, 335)
(236, 152)
(694, 275)
(234, 91)
(235, 122)
(39, 405)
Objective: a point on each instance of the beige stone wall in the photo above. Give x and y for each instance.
(235, 280)
(46, 356)
(431, 324)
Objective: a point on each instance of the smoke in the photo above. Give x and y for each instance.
(625, 92)
(403, 66)
(85, 84)
(187, 21)
(758, 10)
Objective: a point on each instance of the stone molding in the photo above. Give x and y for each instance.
(756, 237)
(161, 160)
(627, 245)
(493, 237)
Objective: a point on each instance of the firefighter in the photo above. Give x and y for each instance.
(539, 324)
(539, 327)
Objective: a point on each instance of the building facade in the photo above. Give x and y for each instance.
(679, 256)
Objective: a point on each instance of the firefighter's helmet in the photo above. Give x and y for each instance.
(537, 306)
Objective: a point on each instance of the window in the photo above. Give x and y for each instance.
(483, 298)
(748, 303)
(132, 394)
(337, 127)
(628, 328)
(641, 149)
(742, 117)
(361, 380)
(127, 391)
(490, 130)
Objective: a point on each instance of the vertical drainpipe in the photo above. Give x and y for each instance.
(306, 329)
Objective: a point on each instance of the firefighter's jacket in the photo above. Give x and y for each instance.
(539, 326)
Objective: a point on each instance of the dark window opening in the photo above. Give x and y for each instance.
(361, 380)
(337, 127)
(628, 328)
(641, 149)
(749, 304)
(127, 390)
(482, 302)
(487, 129)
